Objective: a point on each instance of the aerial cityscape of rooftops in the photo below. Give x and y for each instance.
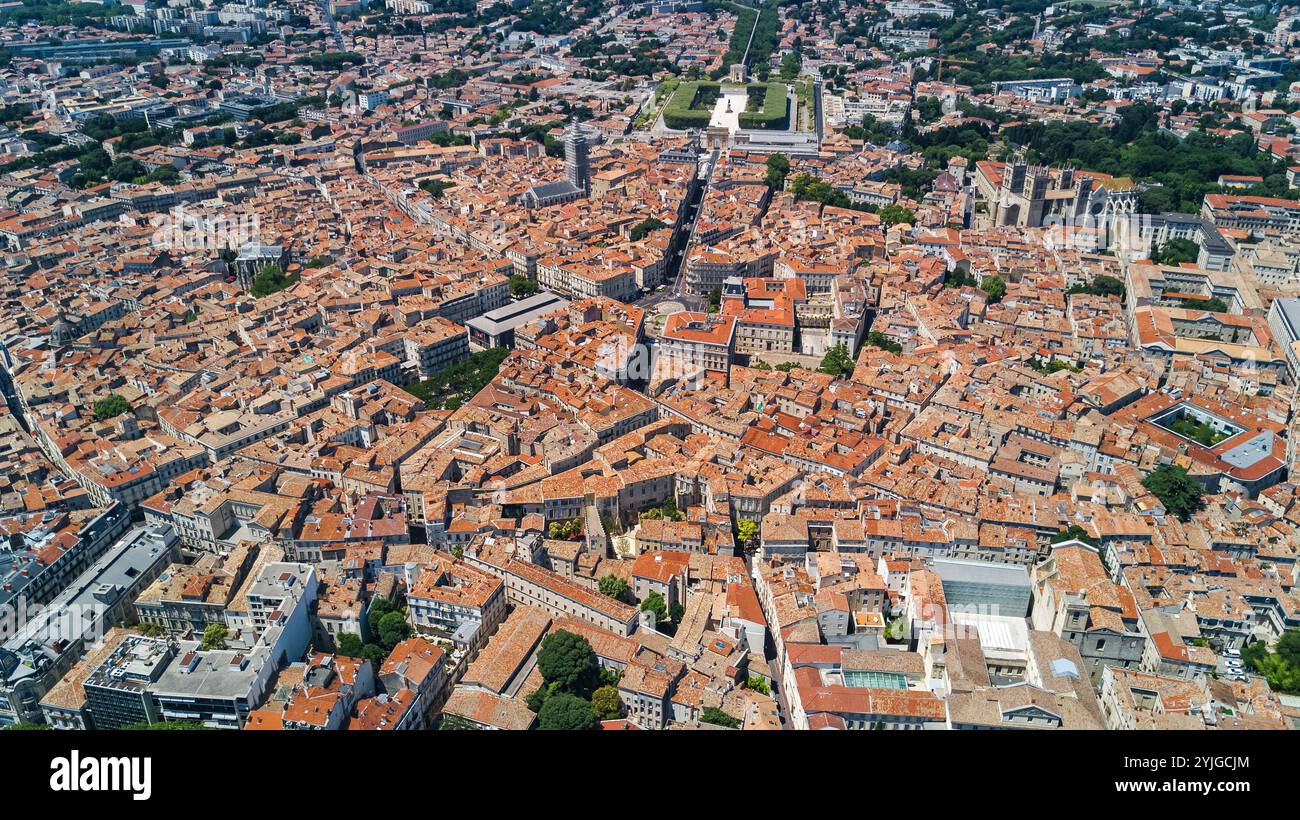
(684, 364)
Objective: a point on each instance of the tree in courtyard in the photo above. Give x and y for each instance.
(521, 286)
(747, 532)
(111, 407)
(214, 637)
(877, 339)
(837, 361)
(566, 713)
(641, 229)
(614, 586)
(537, 698)
(567, 662)
(393, 629)
(717, 717)
(994, 287)
(892, 214)
(1281, 667)
(778, 166)
(1177, 251)
(564, 530)
(375, 654)
(270, 280)
(670, 510)
(606, 703)
(1178, 492)
(790, 66)
(1101, 286)
(1074, 533)
(654, 602)
(349, 645)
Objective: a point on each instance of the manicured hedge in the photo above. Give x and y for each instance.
(692, 106)
(683, 111)
(774, 113)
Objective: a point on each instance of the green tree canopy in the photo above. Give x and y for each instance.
(1074, 533)
(393, 629)
(452, 386)
(645, 227)
(565, 530)
(790, 66)
(717, 717)
(537, 698)
(669, 511)
(1101, 286)
(994, 287)
(606, 703)
(214, 637)
(435, 187)
(270, 280)
(877, 339)
(614, 586)
(892, 214)
(654, 602)
(1178, 492)
(1281, 667)
(566, 661)
(349, 645)
(747, 532)
(111, 407)
(1177, 251)
(1214, 304)
(778, 166)
(125, 169)
(837, 361)
(167, 725)
(566, 713)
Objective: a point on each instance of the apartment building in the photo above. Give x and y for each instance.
(37, 656)
(697, 341)
(1260, 215)
(1075, 598)
(41, 561)
(418, 666)
(452, 598)
(530, 585)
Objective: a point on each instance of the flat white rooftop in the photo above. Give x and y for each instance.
(1001, 637)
